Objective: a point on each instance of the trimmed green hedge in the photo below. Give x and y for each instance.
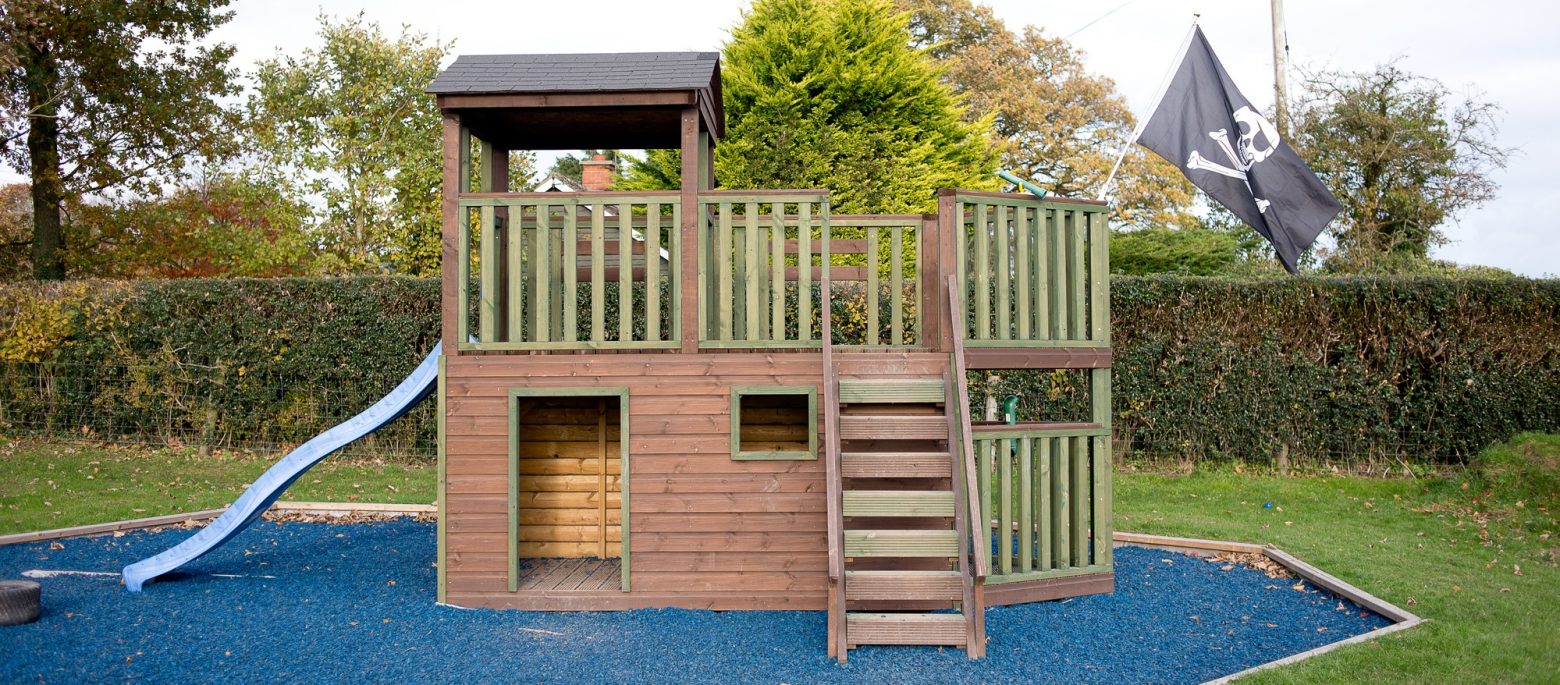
(1418, 369)
(1378, 369)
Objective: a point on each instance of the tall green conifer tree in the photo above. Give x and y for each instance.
(830, 94)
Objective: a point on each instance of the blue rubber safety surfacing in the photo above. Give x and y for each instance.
(355, 603)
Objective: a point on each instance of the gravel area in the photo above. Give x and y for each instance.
(312, 603)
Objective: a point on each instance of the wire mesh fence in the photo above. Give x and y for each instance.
(207, 407)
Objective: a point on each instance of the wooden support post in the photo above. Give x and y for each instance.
(692, 216)
(450, 234)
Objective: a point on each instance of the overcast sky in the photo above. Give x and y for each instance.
(1506, 49)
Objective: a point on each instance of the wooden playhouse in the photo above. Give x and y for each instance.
(736, 399)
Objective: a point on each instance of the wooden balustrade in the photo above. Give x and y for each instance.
(557, 271)
(1044, 493)
(1034, 271)
(565, 271)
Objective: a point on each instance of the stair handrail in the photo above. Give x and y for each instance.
(979, 532)
(831, 457)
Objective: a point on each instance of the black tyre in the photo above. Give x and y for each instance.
(19, 601)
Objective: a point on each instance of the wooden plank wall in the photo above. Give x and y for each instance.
(561, 449)
(705, 531)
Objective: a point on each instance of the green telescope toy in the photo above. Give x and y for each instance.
(1033, 189)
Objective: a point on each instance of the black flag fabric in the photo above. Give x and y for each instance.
(1228, 149)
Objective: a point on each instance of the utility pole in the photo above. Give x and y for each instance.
(1280, 69)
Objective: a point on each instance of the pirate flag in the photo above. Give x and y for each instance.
(1228, 149)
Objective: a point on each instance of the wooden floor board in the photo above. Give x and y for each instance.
(570, 575)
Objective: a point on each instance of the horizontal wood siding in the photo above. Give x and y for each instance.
(706, 531)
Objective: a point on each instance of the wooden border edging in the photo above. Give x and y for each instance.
(1401, 620)
(187, 517)
(111, 527)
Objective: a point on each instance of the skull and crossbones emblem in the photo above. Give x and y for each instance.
(1258, 140)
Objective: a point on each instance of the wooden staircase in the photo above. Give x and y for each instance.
(901, 567)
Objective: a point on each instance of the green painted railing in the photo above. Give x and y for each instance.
(759, 251)
(559, 271)
(755, 293)
(1035, 272)
(1045, 494)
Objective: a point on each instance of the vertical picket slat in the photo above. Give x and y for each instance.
(1042, 271)
(571, 276)
(1080, 500)
(1077, 306)
(982, 272)
(1005, 503)
(463, 271)
(1102, 522)
(777, 271)
(598, 275)
(487, 313)
(751, 277)
(1058, 276)
(704, 237)
(555, 269)
(653, 272)
(804, 271)
(723, 277)
(761, 278)
(1026, 514)
(517, 273)
(541, 328)
(1099, 279)
(1021, 265)
(1043, 507)
(873, 337)
(625, 272)
(983, 468)
(1060, 511)
(675, 230)
(1003, 265)
(896, 281)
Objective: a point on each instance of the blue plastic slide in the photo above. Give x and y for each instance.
(271, 484)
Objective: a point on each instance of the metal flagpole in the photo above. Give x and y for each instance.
(1160, 95)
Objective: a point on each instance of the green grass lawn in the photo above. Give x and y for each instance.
(53, 485)
(1481, 569)
(1478, 561)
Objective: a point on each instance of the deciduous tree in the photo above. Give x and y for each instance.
(1057, 123)
(1402, 153)
(227, 224)
(107, 96)
(350, 122)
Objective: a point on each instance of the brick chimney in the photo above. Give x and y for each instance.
(597, 172)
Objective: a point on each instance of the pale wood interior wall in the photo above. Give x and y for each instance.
(774, 423)
(561, 451)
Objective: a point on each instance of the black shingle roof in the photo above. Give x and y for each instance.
(598, 72)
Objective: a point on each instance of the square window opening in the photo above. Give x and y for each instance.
(774, 423)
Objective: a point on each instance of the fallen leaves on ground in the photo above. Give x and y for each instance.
(1260, 562)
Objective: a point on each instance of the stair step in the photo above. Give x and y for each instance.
(892, 391)
(905, 629)
(895, 465)
(901, 543)
(898, 503)
(893, 427)
(896, 585)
